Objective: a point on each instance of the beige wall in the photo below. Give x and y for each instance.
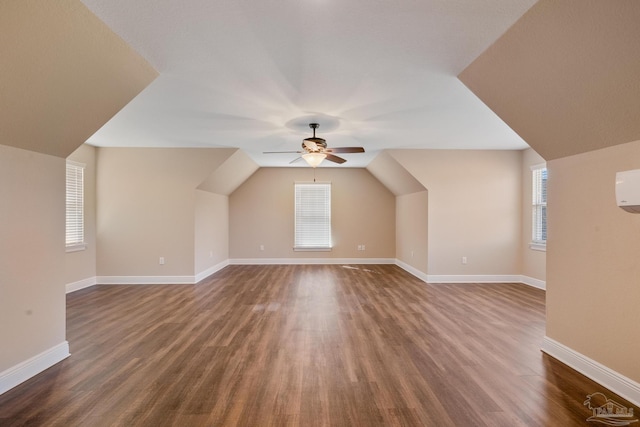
(534, 262)
(565, 75)
(32, 295)
(593, 273)
(81, 265)
(261, 213)
(412, 221)
(474, 209)
(64, 74)
(211, 230)
(146, 208)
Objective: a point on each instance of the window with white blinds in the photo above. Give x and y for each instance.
(539, 204)
(75, 207)
(312, 216)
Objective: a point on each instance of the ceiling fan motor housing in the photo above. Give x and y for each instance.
(319, 142)
(314, 144)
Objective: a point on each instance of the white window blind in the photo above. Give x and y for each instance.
(539, 213)
(313, 216)
(75, 206)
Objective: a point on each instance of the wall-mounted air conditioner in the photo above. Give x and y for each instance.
(628, 190)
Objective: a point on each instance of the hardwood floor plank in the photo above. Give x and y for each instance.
(305, 345)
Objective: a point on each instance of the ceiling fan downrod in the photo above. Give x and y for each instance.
(314, 126)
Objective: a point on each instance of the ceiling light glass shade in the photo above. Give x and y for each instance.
(314, 159)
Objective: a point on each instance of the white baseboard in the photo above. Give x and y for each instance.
(301, 261)
(409, 269)
(179, 280)
(161, 280)
(145, 280)
(617, 383)
(33, 366)
(536, 283)
(81, 284)
(474, 278)
(211, 270)
(500, 278)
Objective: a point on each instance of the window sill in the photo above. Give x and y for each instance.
(76, 248)
(312, 249)
(538, 247)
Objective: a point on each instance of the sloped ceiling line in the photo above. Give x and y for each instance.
(230, 175)
(393, 175)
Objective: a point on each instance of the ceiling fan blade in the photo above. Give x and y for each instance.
(295, 160)
(335, 159)
(345, 150)
(281, 152)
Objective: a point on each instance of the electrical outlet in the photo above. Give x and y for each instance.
(363, 247)
(262, 247)
(411, 254)
(464, 259)
(210, 254)
(161, 261)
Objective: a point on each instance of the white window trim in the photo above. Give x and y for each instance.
(305, 248)
(537, 245)
(76, 246)
(318, 249)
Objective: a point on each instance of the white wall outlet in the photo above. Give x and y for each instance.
(210, 254)
(161, 261)
(363, 247)
(262, 247)
(464, 259)
(411, 254)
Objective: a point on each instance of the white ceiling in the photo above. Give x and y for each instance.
(247, 73)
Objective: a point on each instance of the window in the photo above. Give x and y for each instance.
(75, 207)
(312, 216)
(539, 205)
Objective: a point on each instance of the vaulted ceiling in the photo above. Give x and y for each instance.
(248, 74)
(252, 74)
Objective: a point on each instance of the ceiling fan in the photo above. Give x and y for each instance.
(315, 150)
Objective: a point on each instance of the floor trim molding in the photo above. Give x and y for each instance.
(31, 367)
(302, 261)
(80, 284)
(617, 383)
(409, 269)
(211, 270)
(500, 278)
(536, 283)
(145, 280)
(181, 280)
(474, 278)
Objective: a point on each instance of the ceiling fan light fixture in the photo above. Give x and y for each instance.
(314, 150)
(314, 159)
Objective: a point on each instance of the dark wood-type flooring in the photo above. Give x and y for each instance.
(317, 345)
